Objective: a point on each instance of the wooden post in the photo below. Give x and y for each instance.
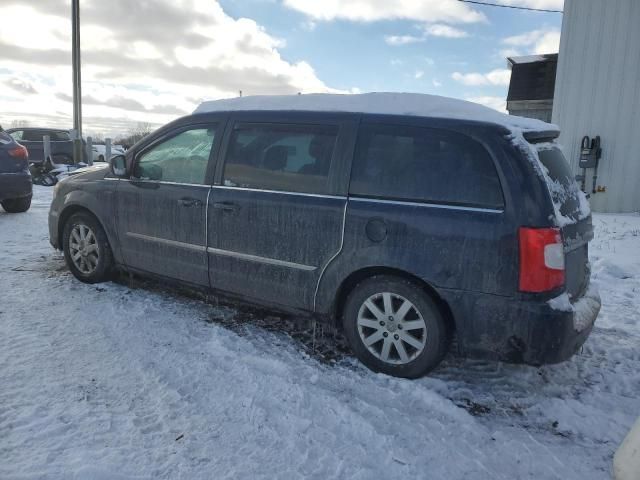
(46, 145)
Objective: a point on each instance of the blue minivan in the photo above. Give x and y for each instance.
(403, 220)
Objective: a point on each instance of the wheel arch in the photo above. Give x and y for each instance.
(358, 276)
(73, 209)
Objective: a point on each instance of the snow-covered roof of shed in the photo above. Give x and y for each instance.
(415, 104)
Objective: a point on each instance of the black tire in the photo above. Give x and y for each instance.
(17, 205)
(435, 337)
(101, 158)
(103, 271)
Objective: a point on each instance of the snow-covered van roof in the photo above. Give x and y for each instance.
(415, 104)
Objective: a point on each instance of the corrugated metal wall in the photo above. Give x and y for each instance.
(598, 93)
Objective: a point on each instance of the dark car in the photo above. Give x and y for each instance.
(15, 179)
(402, 228)
(60, 141)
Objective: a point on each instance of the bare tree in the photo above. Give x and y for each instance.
(141, 130)
(18, 123)
(97, 138)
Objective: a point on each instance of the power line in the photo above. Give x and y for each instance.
(511, 6)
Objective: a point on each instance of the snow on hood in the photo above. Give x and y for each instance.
(415, 104)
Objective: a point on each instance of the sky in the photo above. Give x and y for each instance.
(152, 61)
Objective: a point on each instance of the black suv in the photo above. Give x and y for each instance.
(60, 141)
(401, 219)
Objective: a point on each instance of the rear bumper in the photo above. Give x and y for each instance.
(15, 185)
(523, 331)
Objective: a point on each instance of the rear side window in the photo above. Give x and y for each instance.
(292, 158)
(33, 135)
(424, 165)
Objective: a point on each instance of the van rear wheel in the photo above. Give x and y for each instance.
(395, 327)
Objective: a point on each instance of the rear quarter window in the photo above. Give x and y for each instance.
(424, 165)
(563, 188)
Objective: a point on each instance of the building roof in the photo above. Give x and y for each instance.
(532, 77)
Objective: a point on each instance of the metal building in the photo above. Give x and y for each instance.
(597, 93)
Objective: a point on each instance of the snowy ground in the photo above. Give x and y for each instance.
(113, 382)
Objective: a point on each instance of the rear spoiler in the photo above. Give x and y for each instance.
(541, 136)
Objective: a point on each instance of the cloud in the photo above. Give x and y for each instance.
(498, 77)
(435, 30)
(535, 41)
(418, 75)
(548, 43)
(396, 40)
(142, 61)
(21, 86)
(497, 103)
(450, 11)
(447, 31)
(543, 4)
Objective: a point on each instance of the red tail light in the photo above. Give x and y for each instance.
(19, 152)
(541, 259)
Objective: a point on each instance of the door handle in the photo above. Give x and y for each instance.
(225, 206)
(189, 202)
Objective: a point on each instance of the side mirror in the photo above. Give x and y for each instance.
(118, 166)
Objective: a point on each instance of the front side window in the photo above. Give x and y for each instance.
(182, 158)
(294, 158)
(424, 165)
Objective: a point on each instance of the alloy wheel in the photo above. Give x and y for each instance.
(84, 249)
(392, 328)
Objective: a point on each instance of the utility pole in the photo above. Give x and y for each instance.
(77, 80)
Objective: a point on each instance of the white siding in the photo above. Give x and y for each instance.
(598, 93)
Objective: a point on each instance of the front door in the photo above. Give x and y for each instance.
(161, 209)
(275, 219)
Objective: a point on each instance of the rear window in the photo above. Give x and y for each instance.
(424, 165)
(563, 187)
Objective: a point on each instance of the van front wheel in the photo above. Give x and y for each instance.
(86, 249)
(394, 327)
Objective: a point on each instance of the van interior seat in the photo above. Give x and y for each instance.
(276, 158)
